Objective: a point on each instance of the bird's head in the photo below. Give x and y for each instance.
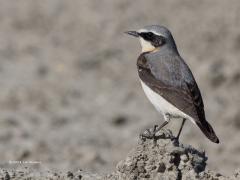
(154, 38)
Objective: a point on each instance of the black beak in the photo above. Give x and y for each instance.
(133, 33)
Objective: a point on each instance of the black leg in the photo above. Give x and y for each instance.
(157, 128)
(180, 130)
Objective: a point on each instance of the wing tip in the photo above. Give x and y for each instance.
(208, 131)
(215, 140)
(212, 136)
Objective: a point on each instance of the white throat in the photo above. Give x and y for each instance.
(146, 46)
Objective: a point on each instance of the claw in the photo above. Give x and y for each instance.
(149, 133)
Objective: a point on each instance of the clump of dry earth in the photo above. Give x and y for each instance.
(164, 159)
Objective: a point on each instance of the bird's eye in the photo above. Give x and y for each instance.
(159, 41)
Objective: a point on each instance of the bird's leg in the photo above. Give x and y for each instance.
(180, 130)
(151, 133)
(167, 119)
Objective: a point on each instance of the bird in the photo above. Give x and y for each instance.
(168, 81)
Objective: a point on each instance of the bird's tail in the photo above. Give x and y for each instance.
(208, 131)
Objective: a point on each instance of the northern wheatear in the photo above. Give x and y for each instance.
(168, 82)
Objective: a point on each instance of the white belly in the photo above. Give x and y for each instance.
(162, 105)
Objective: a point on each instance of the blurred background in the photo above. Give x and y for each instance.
(69, 90)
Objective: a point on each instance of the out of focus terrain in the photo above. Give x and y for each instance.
(70, 97)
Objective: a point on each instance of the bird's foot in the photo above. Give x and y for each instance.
(149, 133)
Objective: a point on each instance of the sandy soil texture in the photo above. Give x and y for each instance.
(161, 159)
(70, 97)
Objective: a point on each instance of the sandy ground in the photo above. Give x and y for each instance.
(163, 159)
(70, 96)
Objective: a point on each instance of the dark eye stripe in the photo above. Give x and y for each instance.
(156, 40)
(149, 36)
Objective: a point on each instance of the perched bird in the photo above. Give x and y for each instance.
(168, 82)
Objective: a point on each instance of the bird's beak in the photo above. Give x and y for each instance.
(133, 33)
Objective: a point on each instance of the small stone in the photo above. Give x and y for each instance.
(198, 167)
(237, 173)
(218, 174)
(7, 176)
(161, 167)
(69, 174)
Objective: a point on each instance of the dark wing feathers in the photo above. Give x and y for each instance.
(175, 82)
(174, 90)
